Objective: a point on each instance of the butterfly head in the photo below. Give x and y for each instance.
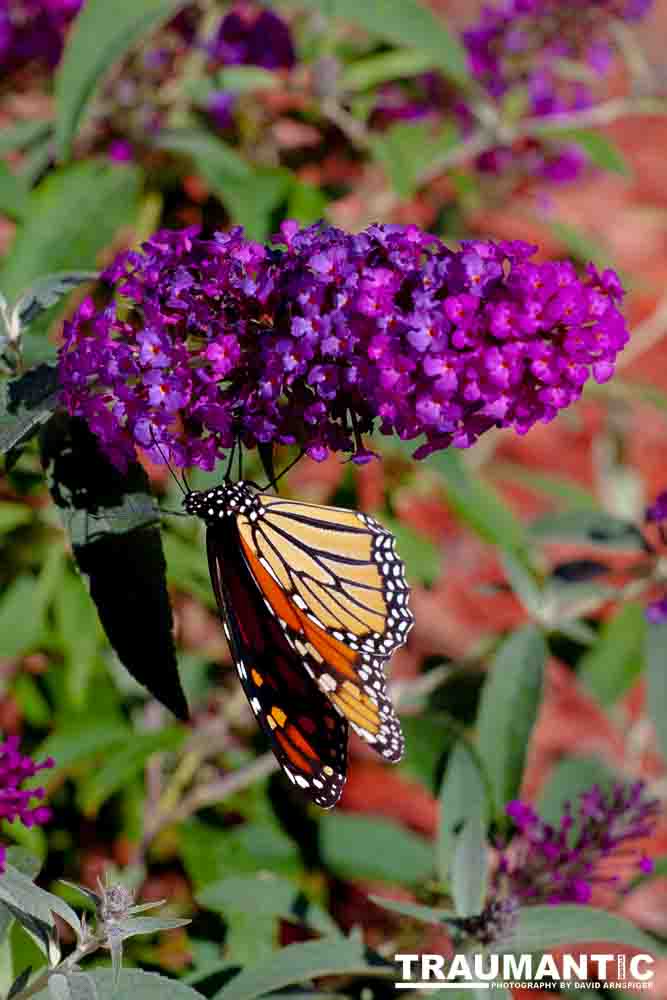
(226, 500)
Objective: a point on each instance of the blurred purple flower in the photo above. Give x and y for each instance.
(248, 37)
(331, 336)
(33, 31)
(563, 863)
(15, 768)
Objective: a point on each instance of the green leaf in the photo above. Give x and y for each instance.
(14, 194)
(26, 403)
(363, 847)
(509, 705)
(656, 681)
(20, 630)
(266, 894)
(548, 484)
(463, 801)
(47, 292)
(408, 149)
(477, 503)
(209, 857)
(407, 23)
(246, 79)
(136, 984)
(540, 928)
(612, 665)
(217, 160)
(427, 914)
(306, 203)
(376, 69)
(421, 556)
(22, 134)
(568, 779)
(126, 763)
(599, 149)
(298, 963)
(100, 36)
(149, 925)
(74, 213)
(19, 891)
(76, 744)
(469, 868)
(79, 635)
(579, 243)
(592, 527)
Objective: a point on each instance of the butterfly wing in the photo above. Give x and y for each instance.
(308, 738)
(336, 586)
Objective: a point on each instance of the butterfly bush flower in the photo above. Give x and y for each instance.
(562, 864)
(15, 801)
(33, 31)
(326, 336)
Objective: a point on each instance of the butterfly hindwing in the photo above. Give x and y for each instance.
(307, 736)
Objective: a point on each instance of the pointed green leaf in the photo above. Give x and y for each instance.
(14, 195)
(266, 894)
(366, 847)
(463, 801)
(656, 681)
(592, 527)
(540, 928)
(509, 705)
(132, 983)
(469, 868)
(102, 33)
(612, 665)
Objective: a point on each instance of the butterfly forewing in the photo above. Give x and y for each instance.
(307, 736)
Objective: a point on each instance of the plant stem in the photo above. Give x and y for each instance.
(64, 967)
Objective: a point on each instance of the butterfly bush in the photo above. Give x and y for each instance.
(15, 768)
(33, 31)
(326, 336)
(563, 863)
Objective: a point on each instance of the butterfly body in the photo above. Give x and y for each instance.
(313, 600)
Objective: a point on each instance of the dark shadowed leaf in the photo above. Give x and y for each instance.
(300, 963)
(20, 982)
(593, 527)
(21, 895)
(101, 34)
(508, 709)
(366, 847)
(111, 518)
(656, 679)
(47, 291)
(25, 404)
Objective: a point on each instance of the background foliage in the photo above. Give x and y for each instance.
(532, 671)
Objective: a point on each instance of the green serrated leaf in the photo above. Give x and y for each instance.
(612, 665)
(656, 681)
(266, 894)
(540, 928)
(48, 291)
(408, 23)
(593, 527)
(74, 213)
(365, 847)
(25, 404)
(100, 36)
(509, 704)
(299, 963)
(463, 799)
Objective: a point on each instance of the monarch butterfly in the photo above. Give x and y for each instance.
(313, 602)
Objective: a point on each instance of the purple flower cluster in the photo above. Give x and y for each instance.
(33, 31)
(327, 336)
(561, 864)
(247, 37)
(15, 768)
(526, 46)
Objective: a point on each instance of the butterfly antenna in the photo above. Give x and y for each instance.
(230, 461)
(240, 477)
(272, 484)
(167, 463)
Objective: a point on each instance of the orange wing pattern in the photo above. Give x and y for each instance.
(308, 738)
(334, 582)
